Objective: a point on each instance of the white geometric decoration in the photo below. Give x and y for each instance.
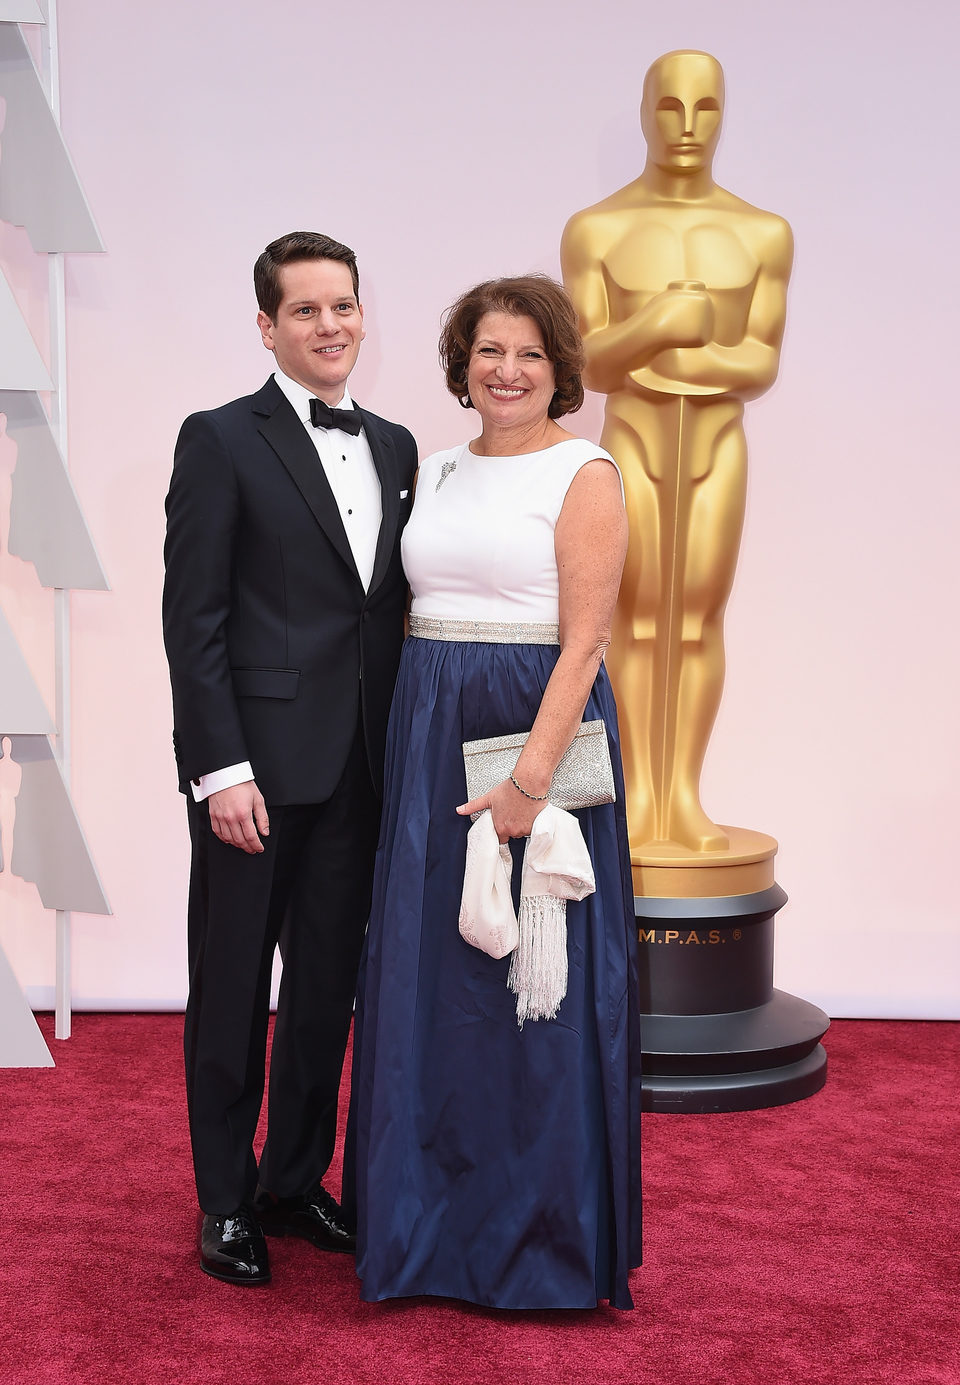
(21, 12)
(21, 1043)
(40, 191)
(21, 365)
(48, 842)
(22, 709)
(52, 206)
(47, 527)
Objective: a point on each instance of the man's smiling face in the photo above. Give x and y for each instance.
(318, 328)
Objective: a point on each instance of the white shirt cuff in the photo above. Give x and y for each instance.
(221, 779)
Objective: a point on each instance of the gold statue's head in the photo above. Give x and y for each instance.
(681, 110)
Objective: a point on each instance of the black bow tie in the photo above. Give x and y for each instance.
(322, 416)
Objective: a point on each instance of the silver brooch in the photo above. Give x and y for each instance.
(446, 470)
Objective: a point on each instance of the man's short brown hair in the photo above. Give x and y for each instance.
(289, 249)
(530, 295)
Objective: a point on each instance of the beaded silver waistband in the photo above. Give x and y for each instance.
(484, 631)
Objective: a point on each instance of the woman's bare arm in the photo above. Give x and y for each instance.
(591, 544)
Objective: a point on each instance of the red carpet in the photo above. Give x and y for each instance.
(805, 1245)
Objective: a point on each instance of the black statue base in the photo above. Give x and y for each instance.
(716, 1035)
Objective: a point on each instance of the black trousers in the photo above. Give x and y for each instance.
(309, 892)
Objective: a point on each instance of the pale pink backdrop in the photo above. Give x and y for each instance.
(451, 143)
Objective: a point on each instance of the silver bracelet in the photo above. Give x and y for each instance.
(535, 797)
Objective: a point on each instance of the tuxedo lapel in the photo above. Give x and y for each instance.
(384, 459)
(285, 433)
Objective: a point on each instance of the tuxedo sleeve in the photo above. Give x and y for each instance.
(203, 510)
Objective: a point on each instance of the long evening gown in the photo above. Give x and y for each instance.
(494, 1164)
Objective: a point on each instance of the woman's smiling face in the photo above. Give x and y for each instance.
(510, 380)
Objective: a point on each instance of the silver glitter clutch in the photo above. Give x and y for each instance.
(582, 779)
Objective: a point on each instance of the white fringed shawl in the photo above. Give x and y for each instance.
(556, 867)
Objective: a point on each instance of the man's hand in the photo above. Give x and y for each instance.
(237, 814)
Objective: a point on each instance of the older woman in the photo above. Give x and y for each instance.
(495, 1162)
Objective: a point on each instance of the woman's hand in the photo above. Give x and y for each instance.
(513, 813)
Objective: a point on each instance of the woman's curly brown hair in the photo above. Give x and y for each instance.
(536, 296)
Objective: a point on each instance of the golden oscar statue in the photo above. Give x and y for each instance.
(681, 292)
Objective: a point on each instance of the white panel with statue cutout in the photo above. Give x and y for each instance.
(22, 709)
(47, 527)
(21, 12)
(52, 207)
(21, 365)
(48, 842)
(41, 522)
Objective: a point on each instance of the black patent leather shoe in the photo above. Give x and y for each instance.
(232, 1248)
(315, 1217)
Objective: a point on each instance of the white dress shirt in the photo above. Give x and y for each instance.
(348, 464)
(349, 468)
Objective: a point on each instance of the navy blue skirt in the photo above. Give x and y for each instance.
(492, 1164)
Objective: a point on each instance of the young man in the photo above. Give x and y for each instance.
(283, 620)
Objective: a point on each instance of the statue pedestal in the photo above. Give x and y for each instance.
(716, 1035)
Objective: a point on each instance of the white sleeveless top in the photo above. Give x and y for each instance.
(479, 544)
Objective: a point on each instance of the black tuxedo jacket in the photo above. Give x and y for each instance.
(273, 643)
